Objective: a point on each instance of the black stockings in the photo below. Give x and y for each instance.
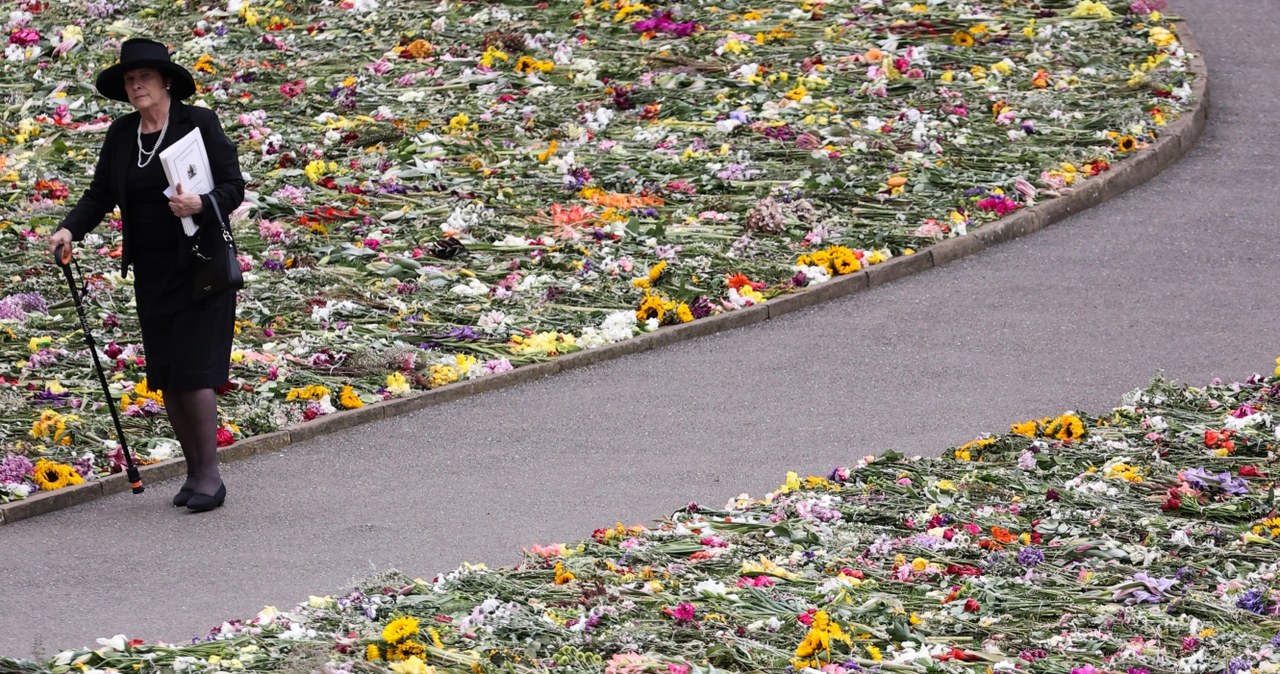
(194, 415)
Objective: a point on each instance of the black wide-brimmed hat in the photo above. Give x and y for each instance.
(143, 53)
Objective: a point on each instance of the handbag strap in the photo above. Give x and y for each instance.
(226, 226)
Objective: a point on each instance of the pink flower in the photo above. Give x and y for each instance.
(674, 668)
(998, 203)
(24, 37)
(293, 89)
(380, 67)
(682, 613)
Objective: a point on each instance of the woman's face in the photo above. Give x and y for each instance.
(145, 88)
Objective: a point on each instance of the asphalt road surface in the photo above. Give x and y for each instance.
(1180, 275)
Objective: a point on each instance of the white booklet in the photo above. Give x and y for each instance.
(186, 162)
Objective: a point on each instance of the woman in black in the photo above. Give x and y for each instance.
(187, 343)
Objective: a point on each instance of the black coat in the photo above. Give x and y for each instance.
(107, 189)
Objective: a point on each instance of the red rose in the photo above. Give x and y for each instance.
(225, 437)
(971, 605)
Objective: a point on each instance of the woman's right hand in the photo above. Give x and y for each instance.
(60, 237)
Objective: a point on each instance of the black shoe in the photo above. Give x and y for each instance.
(180, 499)
(200, 502)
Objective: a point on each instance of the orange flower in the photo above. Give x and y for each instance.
(1002, 534)
(738, 280)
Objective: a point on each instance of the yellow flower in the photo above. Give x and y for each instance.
(204, 64)
(459, 122)
(1003, 67)
(874, 653)
(413, 665)
(547, 153)
(441, 375)
(310, 392)
(915, 619)
(1161, 37)
(767, 567)
(562, 576)
(1123, 471)
(397, 384)
(818, 640)
(1066, 427)
(400, 629)
(406, 650)
(49, 475)
(36, 343)
(1026, 429)
(1277, 372)
(1126, 144)
(314, 170)
(946, 485)
(656, 271)
(684, 313)
(493, 54)
(349, 399)
(962, 38)
(371, 652)
(798, 93)
(1091, 9)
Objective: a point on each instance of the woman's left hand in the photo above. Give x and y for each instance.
(184, 204)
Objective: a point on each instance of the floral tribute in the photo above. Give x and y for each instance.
(444, 191)
(1134, 542)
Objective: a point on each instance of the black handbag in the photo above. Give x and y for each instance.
(219, 270)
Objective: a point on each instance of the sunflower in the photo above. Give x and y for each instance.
(406, 650)
(656, 272)
(49, 475)
(1127, 144)
(1066, 427)
(845, 263)
(371, 652)
(962, 38)
(1026, 429)
(400, 629)
(350, 399)
(684, 313)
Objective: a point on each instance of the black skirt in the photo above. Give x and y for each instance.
(187, 343)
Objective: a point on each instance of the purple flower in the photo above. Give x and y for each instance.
(1238, 665)
(84, 466)
(701, 307)
(15, 469)
(1202, 479)
(1253, 601)
(18, 305)
(1030, 556)
(465, 333)
(1144, 589)
(1087, 669)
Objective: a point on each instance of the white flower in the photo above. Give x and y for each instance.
(267, 615)
(163, 450)
(711, 588)
(117, 643)
(472, 288)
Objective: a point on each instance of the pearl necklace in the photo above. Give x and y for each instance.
(150, 155)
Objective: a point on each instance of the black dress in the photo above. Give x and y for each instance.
(186, 342)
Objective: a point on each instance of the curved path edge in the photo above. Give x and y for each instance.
(1180, 136)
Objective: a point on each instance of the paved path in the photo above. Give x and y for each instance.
(1180, 274)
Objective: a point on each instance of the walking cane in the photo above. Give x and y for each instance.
(62, 257)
